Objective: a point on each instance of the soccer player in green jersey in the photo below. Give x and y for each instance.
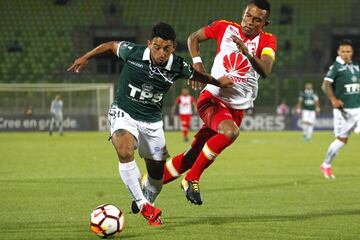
(308, 106)
(342, 86)
(135, 116)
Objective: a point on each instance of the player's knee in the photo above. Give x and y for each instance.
(344, 140)
(231, 133)
(124, 153)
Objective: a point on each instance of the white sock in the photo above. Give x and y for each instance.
(305, 127)
(310, 131)
(130, 175)
(334, 148)
(152, 188)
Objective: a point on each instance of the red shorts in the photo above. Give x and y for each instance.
(185, 120)
(213, 111)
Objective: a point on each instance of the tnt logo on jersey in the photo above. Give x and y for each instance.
(236, 65)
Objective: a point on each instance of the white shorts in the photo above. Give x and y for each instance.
(308, 116)
(57, 117)
(149, 136)
(343, 127)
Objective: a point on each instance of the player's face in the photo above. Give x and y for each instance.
(185, 92)
(160, 50)
(253, 21)
(345, 52)
(308, 86)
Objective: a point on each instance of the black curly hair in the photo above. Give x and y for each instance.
(164, 31)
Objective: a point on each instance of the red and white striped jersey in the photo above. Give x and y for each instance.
(230, 62)
(185, 104)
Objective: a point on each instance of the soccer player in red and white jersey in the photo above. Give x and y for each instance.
(244, 53)
(185, 103)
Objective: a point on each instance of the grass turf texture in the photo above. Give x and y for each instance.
(265, 186)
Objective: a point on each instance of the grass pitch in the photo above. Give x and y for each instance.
(265, 186)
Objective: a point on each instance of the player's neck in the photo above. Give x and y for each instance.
(157, 65)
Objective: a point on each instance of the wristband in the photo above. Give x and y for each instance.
(197, 59)
(250, 56)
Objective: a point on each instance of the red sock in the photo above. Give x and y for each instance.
(211, 150)
(174, 168)
(185, 132)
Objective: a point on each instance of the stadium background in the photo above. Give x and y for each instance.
(41, 38)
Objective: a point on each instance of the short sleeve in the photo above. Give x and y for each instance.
(212, 30)
(268, 45)
(124, 49)
(316, 98)
(187, 71)
(178, 100)
(331, 74)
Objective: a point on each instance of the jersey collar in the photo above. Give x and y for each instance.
(146, 57)
(340, 60)
(307, 91)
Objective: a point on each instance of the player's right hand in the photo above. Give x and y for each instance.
(78, 65)
(336, 103)
(225, 82)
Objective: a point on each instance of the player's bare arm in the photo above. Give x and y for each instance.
(327, 88)
(81, 62)
(317, 104)
(298, 106)
(194, 41)
(262, 65)
(223, 82)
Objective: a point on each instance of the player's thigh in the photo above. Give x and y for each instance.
(342, 127)
(185, 119)
(212, 112)
(60, 117)
(152, 143)
(308, 116)
(123, 132)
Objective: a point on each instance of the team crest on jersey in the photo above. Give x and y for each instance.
(146, 87)
(236, 64)
(124, 45)
(251, 47)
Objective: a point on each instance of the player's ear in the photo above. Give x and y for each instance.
(149, 43)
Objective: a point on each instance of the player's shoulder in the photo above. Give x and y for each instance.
(335, 65)
(179, 61)
(131, 46)
(267, 36)
(224, 23)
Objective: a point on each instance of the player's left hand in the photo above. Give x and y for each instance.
(225, 82)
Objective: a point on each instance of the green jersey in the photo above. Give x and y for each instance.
(309, 99)
(142, 85)
(345, 79)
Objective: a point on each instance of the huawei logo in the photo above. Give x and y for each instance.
(236, 64)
